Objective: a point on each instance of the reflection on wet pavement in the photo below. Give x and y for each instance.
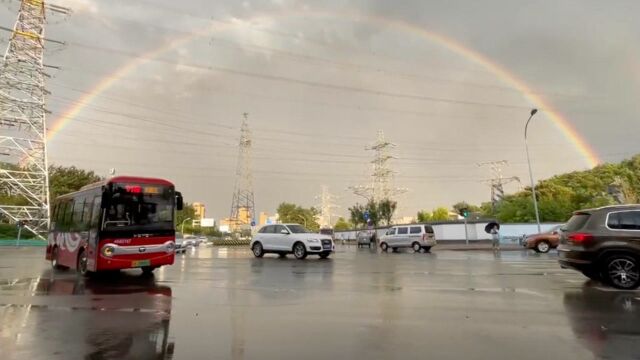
(224, 304)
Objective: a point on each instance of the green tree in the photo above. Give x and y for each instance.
(374, 213)
(440, 214)
(342, 225)
(464, 205)
(356, 213)
(292, 213)
(63, 180)
(423, 216)
(187, 212)
(386, 209)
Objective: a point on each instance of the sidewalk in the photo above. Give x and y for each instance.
(486, 247)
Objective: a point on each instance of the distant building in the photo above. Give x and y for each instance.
(265, 219)
(242, 222)
(199, 209)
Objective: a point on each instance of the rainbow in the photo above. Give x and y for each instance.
(537, 100)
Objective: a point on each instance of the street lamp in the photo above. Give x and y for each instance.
(304, 220)
(182, 226)
(533, 185)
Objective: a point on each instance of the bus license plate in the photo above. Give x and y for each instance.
(139, 263)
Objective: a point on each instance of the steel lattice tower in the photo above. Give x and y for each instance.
(381, 187)
(498, 181)
(23, 130)
(242, 205)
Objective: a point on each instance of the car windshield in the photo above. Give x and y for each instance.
(139, 205)
(297, 229)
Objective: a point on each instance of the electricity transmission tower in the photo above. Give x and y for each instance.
(326, 207)
(24, 176)
(242, 205)
(498, 181)
(382, 176)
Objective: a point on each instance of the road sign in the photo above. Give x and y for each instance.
(253, 223)
(366, 215)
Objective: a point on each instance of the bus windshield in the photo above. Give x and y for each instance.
(139, 206)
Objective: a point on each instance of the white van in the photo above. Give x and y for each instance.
(418, 237)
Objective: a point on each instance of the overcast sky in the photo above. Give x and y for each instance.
(319, 79)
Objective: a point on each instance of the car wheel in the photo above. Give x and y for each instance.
(324, 255)
(54, 259)
(427, 249)
(543, 247)
(258, 250)
(82, 264)
(384, 246)
(622, 272)
(416, 247)
(299, 251)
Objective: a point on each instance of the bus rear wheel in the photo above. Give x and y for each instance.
(82, 264)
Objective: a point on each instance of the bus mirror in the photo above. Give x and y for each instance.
(179, 201)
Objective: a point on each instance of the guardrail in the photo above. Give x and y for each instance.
(231, 242)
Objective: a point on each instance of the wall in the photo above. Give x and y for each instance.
(455, 231)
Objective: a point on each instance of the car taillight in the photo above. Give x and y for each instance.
(580, 238)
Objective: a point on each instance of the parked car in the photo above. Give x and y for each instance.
(200, 240)
(604, 244)
(293, 239)
(180, 247)
(543, 242)
(365, 238)
(418, 237)
(328, 232)
(190, 240)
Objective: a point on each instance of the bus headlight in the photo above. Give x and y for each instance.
(108, 251)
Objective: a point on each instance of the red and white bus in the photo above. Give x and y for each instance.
(120, 223)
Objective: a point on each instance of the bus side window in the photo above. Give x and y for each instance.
(76, 219)
(54, 211)
(86, 214)
(68, 214)
(95, 213)
(59, 213)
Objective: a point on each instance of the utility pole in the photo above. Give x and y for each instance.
(498, 181)
(326, 207)
(242, 205)
(23, 128)
(381, 186)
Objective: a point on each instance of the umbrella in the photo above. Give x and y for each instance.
(490, 226)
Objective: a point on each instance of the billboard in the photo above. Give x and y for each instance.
(207, 222)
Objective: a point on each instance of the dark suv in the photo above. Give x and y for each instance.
(604, 244)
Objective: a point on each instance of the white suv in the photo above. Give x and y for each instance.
(285, 239)
(417, 237)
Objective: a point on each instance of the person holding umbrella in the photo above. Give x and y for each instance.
(493, 228)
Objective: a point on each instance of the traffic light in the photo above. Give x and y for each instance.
(464, 212)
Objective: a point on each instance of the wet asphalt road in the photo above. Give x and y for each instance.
(219, 303)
